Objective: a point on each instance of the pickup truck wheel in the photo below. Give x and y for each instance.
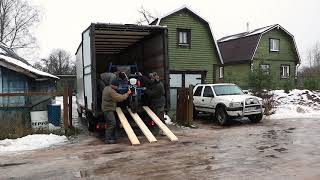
(255, 118)
(221, 116)
(91, 122)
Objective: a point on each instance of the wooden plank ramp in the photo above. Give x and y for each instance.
(131, 135)
(143, 127)
(161, 125)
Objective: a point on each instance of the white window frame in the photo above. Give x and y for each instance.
(221, 72)
(285, 71)
(183, 37)
(274, 47)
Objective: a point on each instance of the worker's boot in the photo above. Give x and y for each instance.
(113, 136)
(109, 139)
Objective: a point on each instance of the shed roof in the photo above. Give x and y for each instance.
(241, 47)
(158, 20)
(9, 59)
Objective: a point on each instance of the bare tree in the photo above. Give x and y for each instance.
(147, 17)
(58, 63)
(17, 18)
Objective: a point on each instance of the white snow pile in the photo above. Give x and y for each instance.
(30, 142)
(296, 104)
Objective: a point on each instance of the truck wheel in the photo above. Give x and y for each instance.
(221, 116)
(255, 118)
(91, 122)
(79, 114)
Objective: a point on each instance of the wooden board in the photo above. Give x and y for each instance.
(131, 135)
(143, 127)
(161, 125)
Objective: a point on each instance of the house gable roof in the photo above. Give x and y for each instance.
(241, 47)
(158, 21)
(9, 59)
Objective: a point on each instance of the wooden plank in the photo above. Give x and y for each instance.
(143, 127)
(161, 125)
(131, 135)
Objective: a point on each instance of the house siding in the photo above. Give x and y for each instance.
(287, 55)
(202, 55)
(238, 74)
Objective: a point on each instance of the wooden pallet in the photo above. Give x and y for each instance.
(142, 126)
(161, 125)
(131, 135)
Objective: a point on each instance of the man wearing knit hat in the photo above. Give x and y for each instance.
(156, 94)
(109, 102)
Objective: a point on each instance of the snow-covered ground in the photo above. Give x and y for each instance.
(296, 104)
(30, 142)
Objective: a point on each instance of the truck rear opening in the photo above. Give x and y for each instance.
(120, 44)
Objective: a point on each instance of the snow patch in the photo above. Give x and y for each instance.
(296, 104)
(30, 142)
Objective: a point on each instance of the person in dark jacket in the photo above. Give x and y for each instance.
(156, 94)
(109, 102)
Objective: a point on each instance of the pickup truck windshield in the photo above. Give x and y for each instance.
(222, 90)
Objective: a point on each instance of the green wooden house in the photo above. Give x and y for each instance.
(194, 55)
(271, 48)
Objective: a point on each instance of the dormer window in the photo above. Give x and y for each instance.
(274, 45)
(184, 37)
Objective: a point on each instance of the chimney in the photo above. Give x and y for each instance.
(248, 28)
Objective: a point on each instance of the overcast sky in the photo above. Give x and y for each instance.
(64, 20)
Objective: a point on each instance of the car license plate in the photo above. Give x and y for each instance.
(250, 109)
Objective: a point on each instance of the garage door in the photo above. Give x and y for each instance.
(181, 80)
(192, 79)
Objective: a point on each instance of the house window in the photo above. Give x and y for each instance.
(221, 72)
(265, 68)
(274, 45)
(285, 71)
(184, 37)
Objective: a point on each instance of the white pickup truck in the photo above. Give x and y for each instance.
(226, 101)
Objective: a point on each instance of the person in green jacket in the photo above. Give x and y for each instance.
(109, 102)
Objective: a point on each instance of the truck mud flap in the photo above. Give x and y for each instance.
(161, 125)
(142, 126)
(128, 129)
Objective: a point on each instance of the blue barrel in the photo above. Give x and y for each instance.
(54, 114)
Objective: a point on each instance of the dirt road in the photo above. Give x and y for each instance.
(272, 149)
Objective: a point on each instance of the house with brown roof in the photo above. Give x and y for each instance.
(272, 49)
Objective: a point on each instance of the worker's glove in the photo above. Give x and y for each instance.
(129, 92)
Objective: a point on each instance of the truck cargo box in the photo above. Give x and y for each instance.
(121, 44)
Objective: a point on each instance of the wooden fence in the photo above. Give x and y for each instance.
(67, 107)
(184, 111)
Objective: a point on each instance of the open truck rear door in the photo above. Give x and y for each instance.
(87, 70)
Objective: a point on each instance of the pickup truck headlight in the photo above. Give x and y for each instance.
(235, 104)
